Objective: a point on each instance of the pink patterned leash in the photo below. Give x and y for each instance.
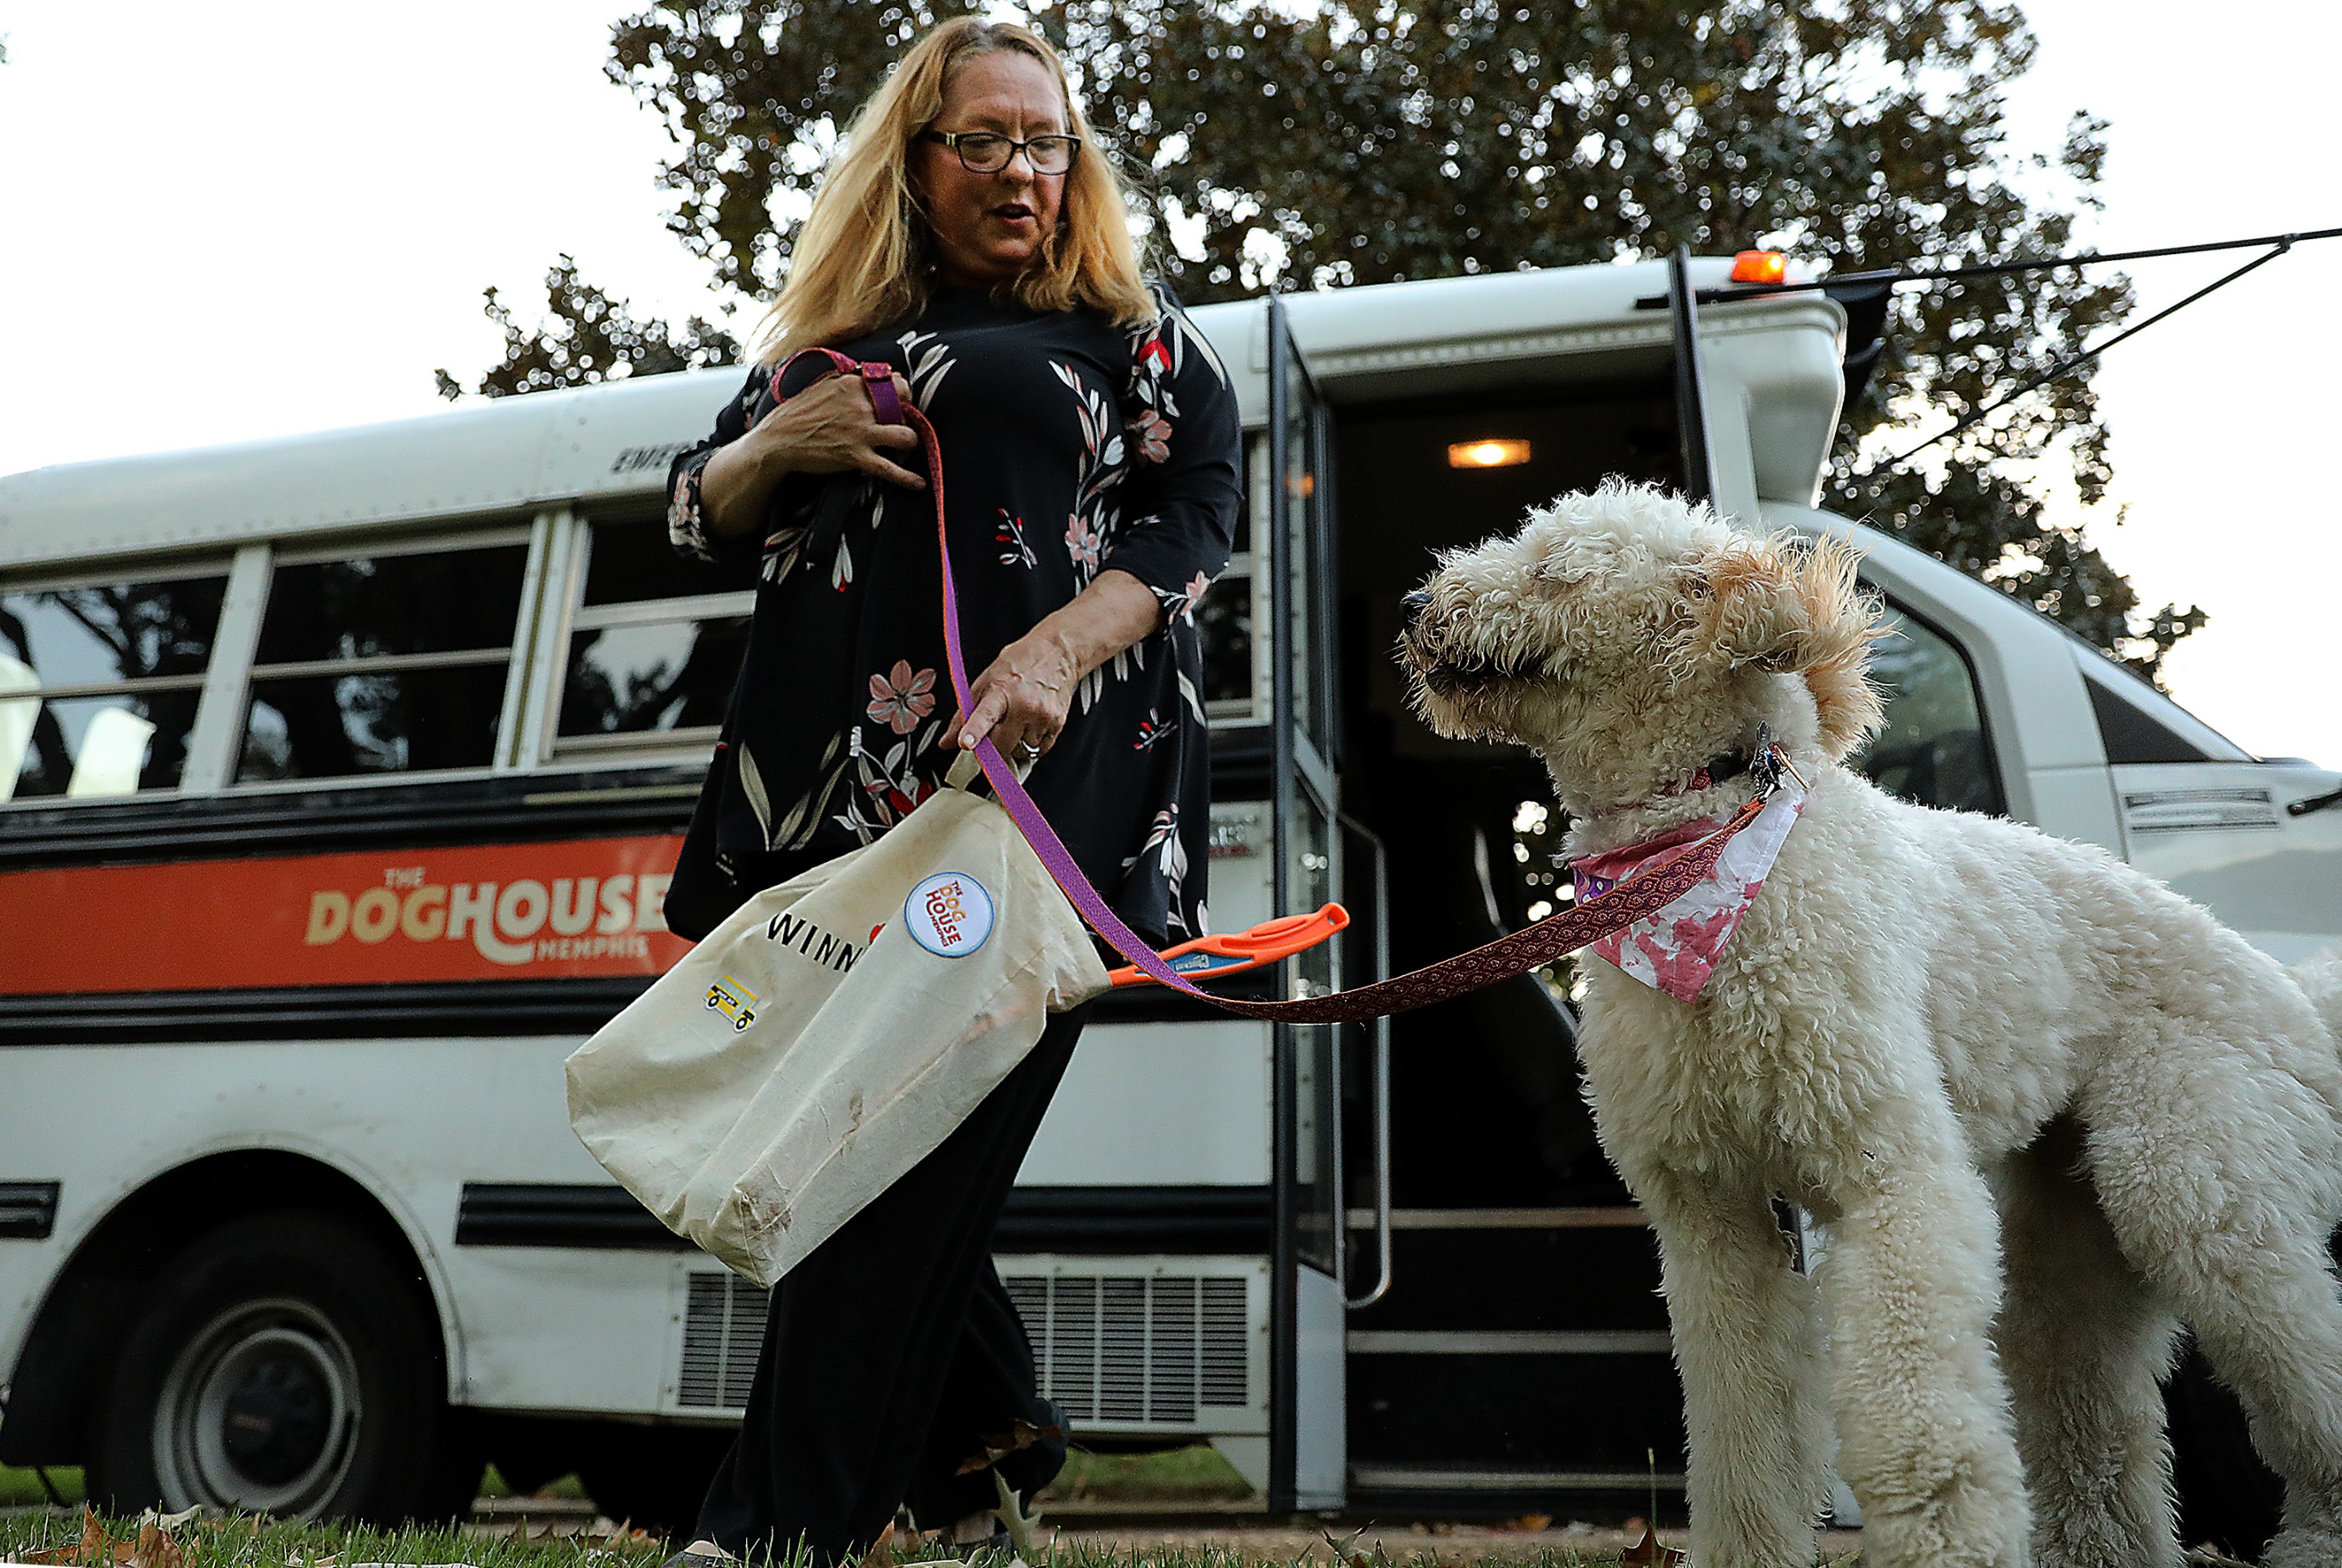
(1634, 899)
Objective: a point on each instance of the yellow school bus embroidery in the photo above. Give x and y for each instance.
(734, 1000)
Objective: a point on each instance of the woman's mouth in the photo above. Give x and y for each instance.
(1014, 212)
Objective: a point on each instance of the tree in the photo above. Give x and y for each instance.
(591, 337)
(1364, 141)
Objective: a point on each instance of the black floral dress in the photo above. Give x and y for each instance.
(1069, 446)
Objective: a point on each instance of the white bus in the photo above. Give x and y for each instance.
(342, 773)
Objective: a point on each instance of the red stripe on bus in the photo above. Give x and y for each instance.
(480, 912)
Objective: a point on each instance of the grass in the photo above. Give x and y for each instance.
(249, 1543)
(1192, 1474)
(246, 1543)
(1197, 1474)
(22, 1488)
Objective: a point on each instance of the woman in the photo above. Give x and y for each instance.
(973, 236)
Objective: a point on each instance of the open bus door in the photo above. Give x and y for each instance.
(1308, 1419)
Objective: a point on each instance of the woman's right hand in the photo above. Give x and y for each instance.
(830, 427)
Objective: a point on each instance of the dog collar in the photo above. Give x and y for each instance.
(1765, 761)
(1717, 770)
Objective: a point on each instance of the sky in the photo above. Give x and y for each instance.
(249, 219)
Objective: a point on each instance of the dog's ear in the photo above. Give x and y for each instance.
(1788, 607)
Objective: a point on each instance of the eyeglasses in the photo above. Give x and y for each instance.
(988, 152)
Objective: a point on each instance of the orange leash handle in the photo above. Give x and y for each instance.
(1232, 952)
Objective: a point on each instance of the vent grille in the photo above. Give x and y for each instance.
(722, 1329)
(1130, 1350)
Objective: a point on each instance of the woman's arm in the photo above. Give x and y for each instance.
(830, 427)
(1023, 697)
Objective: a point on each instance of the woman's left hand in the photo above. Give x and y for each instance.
(1021, 699)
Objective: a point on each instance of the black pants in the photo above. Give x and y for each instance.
(892, 1352)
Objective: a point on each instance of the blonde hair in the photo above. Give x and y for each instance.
(863, 258)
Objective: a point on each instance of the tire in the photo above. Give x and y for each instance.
(2228, 1498)
(654, 1476)
(284, 1363)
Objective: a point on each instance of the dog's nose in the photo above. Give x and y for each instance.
(1411, 608)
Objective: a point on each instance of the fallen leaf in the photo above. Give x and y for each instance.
(156, 1548)
(1015, 1520)
(1000, 1446)
(1347, 1552)
(1649, 1552)
(1527, 1522)
(96, 1545)
(882, 1551)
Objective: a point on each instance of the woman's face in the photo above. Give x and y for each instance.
(988, 228)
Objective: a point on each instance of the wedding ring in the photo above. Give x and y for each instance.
(1027, 749)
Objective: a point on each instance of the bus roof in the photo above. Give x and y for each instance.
(612, 443)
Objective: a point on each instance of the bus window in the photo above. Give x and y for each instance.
(98, 683)
(386, 662)
(1224, 626)
(1933, 748)
(1235, 683)
(655, 642)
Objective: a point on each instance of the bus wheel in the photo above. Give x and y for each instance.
(282, 1364)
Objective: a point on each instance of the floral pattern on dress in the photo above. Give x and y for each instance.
(899, 699)
(1169, 853)
(1010, 536)
(1086, 545)
(1180, 603)
(893, 783)
(1150, 433)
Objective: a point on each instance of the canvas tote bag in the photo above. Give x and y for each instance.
(832, 1032)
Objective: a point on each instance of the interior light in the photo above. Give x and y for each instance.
(1760, 266)
(1490, 454)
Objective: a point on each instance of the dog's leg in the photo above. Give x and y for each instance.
(1912, 1282)
(2082, 1340)
(1748, 1340)
(2215, 1174)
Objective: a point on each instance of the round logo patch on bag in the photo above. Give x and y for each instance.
(950, 914)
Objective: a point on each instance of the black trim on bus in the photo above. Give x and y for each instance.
(565, 1006)
(569, 1006)
(423, 815)
(1150, 1003)
(1111, 1221)
(420, 815)
(590, 1216)
(1122, 1221)
(28, 1211)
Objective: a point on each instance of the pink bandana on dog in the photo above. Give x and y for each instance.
(1675, 950)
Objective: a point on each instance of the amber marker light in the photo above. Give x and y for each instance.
(1487, 454)
(1760, 266)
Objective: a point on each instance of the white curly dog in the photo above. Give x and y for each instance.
(2042, 1106)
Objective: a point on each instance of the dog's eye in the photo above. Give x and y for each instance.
(1696, 585)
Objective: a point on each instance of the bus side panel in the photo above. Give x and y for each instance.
(413, 1121)
(2219, 832)
(1167, 1105)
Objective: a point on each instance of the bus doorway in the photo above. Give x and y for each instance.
(1519, 1360)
